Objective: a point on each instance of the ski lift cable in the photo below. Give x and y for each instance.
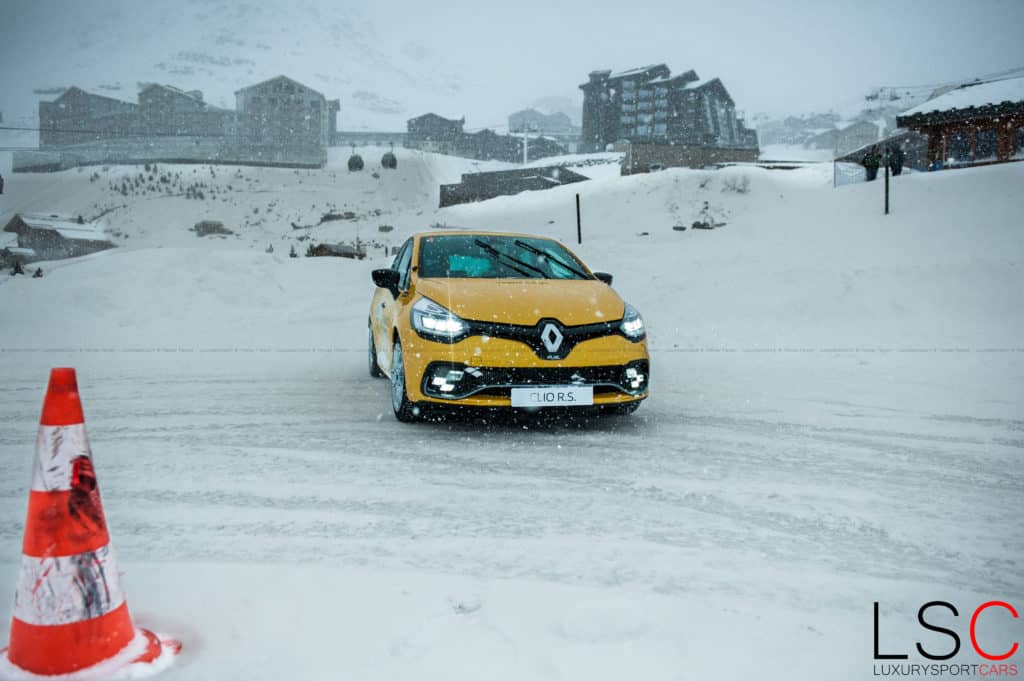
(108, 133)
(999, 75)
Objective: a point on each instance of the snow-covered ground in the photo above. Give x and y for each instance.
(794, 152)
(262, 206)
(835, 420)
(595, 166)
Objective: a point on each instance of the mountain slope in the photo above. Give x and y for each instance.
(219, 47)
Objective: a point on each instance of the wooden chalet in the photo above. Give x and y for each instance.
(974, 123)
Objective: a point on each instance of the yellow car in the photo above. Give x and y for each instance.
(487, 319)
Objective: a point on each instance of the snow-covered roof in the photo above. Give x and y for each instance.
(974, 95)
(701, 82)
(690, 76)
(69, 229)
(266, 82)
(195, 95)
(75, 89)
(343, 249)
(863, 124)
(438, 116)
(636, 71)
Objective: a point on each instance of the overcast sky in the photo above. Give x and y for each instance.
(779, 57)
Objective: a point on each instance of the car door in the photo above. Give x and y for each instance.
(385, 307)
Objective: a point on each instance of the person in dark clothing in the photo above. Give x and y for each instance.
(38, 273)
(871, 162)
(1, 184)
(896, 159)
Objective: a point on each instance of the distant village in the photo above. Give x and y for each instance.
(278, 122)
(661, 119)
(651, 118)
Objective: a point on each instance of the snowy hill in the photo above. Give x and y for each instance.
(262, 206)
(779, 225)
(219, 47)
(879, 107)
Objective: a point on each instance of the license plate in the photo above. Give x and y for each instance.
(553, 396)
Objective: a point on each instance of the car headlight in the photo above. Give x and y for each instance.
(632, 325)
(436, 322)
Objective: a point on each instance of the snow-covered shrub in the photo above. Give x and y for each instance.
(737, 185)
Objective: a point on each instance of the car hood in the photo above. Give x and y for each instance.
(526, 301)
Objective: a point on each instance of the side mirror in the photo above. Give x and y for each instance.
(604, 276)
(387, 278)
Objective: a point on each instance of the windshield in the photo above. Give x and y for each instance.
(474, 256)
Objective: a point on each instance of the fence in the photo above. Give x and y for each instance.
(182, 149)
(844, 172)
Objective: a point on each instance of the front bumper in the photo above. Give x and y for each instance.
(449, 381)
(483, 370)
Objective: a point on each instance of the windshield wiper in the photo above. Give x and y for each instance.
(497, 255)
(558, 261)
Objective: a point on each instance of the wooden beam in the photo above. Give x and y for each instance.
(934, 146)
(1004, 149)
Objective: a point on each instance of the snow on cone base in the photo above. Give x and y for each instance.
(147, 655)
(70, 618)
(159, 655)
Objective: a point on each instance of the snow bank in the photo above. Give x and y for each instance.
(794, 152)
(797, 263)
(372, 626)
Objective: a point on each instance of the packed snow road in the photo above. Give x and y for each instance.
(732, 469)
(741, 503)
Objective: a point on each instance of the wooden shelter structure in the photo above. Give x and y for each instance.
(974, 123)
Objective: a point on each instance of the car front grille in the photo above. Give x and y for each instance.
(548, 338)
(452, 381)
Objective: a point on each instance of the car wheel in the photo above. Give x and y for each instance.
(621, 409)
(405, 411)
(374, 367)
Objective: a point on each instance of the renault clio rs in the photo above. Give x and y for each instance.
(486, 319)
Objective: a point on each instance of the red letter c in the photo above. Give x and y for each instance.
(974, 620)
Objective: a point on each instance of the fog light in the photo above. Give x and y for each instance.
(634, 377)
(445, 379)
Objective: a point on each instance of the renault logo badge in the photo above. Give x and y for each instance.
(552, 337)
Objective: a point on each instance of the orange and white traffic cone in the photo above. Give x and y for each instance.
(70, 616)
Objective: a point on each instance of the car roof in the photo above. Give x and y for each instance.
(479, 232)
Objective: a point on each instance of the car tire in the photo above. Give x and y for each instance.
(405, 410)
(621, 409)
(375, 371)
